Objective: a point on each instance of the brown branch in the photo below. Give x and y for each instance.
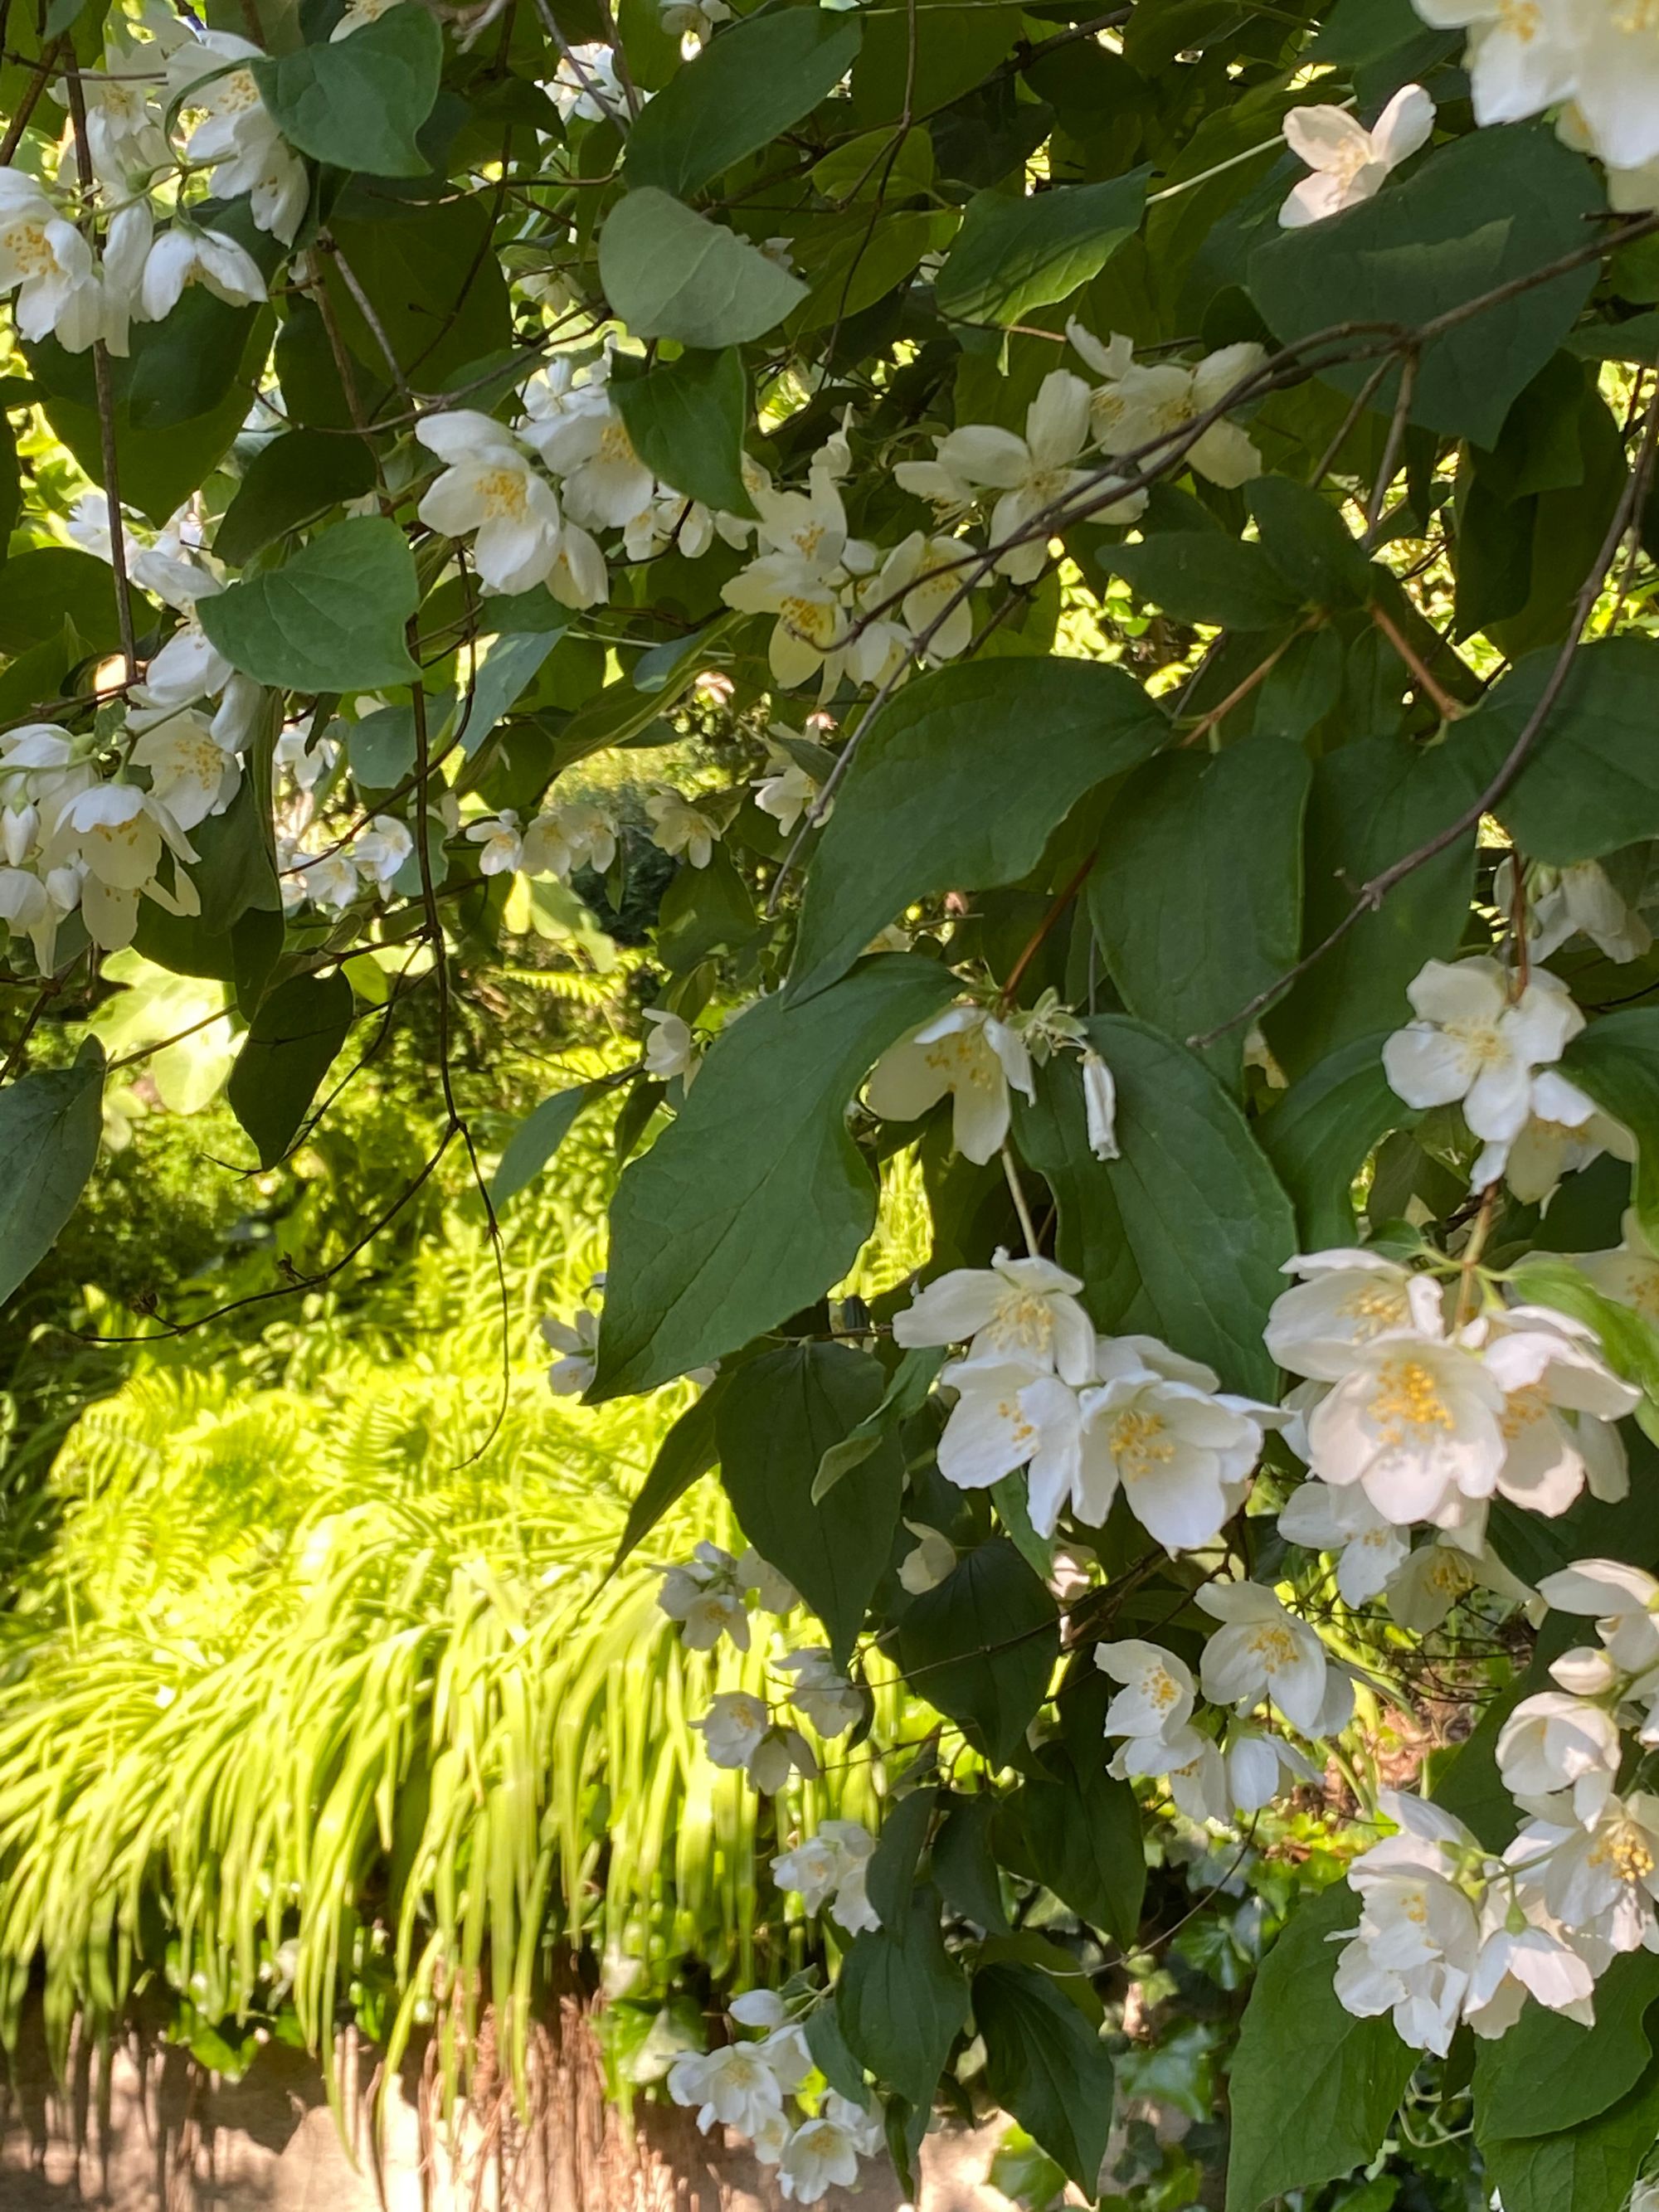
(27, 105)
(1445, 706)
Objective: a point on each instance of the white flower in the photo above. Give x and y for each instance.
(1566, 1131)
(579, 577)
(490, 486)
(328, 879)
(822, 1691)
(989, 1431)
(1519, 57)
(799, 577)
(1423, 1590)
(1346, 1298)
(1187, 1761)
(1525, 1952)
(1100, 1106)
(1137, 407)
(577, 1346)
(968, 1053)
(928, 1564)
(772, 1593)
(1261, 1766)
(679, 827)
(209, 75)
(821, 2155)
(191, 773)
(937, 605)
(670, 1049)
(502, 842)
(1158, 1693)
(1370, 1546)
(1156, 1426)
(568, 838)
(1417, 1420)
(786, 793)
(206, 257)
(1624, 1600)
(1261, 1651)
(114, 834)
(1349, 162)
(1032, 473)
(1419, 1936)
(1018, 1310)
(586, 84)
(1564, 902)
(582, 436)
(381, 849)
(360, 12)
(1559, 1395)
(861, 2122)
(759, 2009)
(705, 1595)
(735, 2087)
(43, 257)
(1628, 1273)
(1471, 1042)
(738, 1730)
(829, 1868)
(124, 136)
(1551, 1740)
(1601, 1878)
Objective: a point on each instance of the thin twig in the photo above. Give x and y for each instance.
(25, 107)
(1445, 706)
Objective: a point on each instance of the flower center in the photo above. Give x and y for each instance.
(1137, 1441)
(1022, 1322)
(1481, 1040)
(1407, 1397)
(1523, 1406)
(812, 621)
(615, 444)
(28, 246)
(1372, 1308)
(1625, 1850)
(1521, 19)
(237, 91)
(1274, 1645)
(503, 492)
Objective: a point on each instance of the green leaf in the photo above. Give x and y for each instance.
(1308, 544)
(1491, 208)
(850, 262)
(1548, 2073)
(1319, 1134)
(1045, 2065)
(1313, 2089)
(429, 271)
(288, 484)
(964, 1866)
(892, 1872)
(1075, 1829)
(1592, 783)
(1372, 802)
(1616, 1059)
(1201, 577)
(289, 1048)
(49, 1130)
(686, 419)
(507, 666)
(906, 1394)
(829, 2053)
(357, 102)
(537, 1139)
(900, 1999)
(669, 273)
(981, 1647)
(1628, 1338)
(1591, 2168)
(688, 1452)
(1196, 890)
(1012, 255)
(749, 84)
(781, 1415)
(957, 785)
(47, 583)
(1191, 1205)
(756, 1199)
(331, 619)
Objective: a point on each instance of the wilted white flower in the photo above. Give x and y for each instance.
(670, 1049)
(1100, 1106)
(821, 1691)
(577, 1346)
(680, 827)
(926, 1564)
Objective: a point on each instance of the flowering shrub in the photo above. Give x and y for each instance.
(1165, 504)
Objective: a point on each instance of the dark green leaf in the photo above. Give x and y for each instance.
(669, 273)
(1592, 783)
(964, 1866)
(687, 1451)
(49, 1129)
(296, 477)
(429, 271)
(892, 1871)
(1591, 2168)
(331, 619)
(900, 1999)
(47, 583)
(1319, 1134)
(981, 1646)
(1191, 1205)
(358, 102)
(749, 83)
(1616, 1059)
(1548, 2073)
(1313, 2089)
(1045, 2065)
(686, 419)
(1308, 544)
(757, 1199)
(958, 786)
(1014, 254)
(537, 1139)
(1488, 210)
(781, 1415)
(1201, 577)
(289, 1049)
(1073, 1828)
(1196, 890)
(907, 1393)
(829, 2053)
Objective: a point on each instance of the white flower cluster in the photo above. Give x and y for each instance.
(1087, 1415)
(1262, 1655)
(831, 1868)
(743, 2086)
(709, 1596)
(975, 1058)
